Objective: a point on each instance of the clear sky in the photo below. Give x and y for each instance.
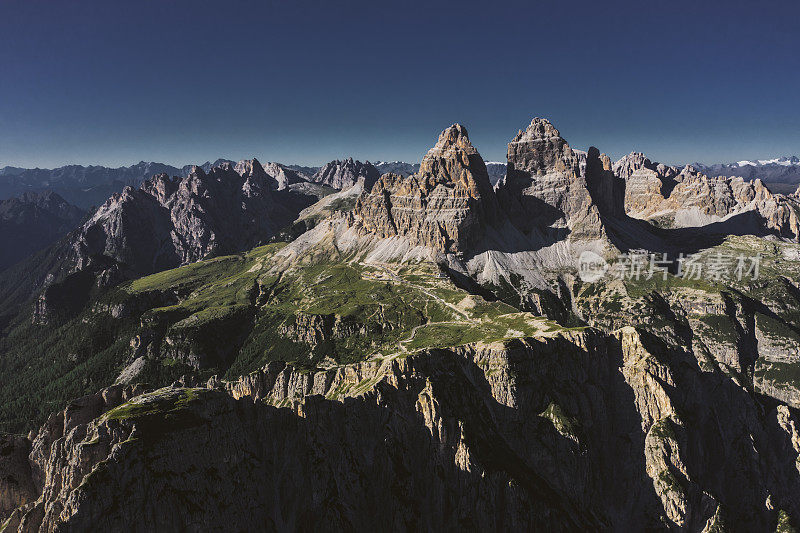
(113, 83)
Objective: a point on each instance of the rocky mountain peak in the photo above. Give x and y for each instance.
(249, 168)
(171, 220)
(453, 146)
(445, 206)
(454, 160)
(541, 149)
(539, 128)
(454, 136)
(546, 190)
(346, 173)
(632, 162)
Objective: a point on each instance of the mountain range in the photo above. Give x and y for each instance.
(782, 174)
(87, 186)
(250, 345)
(32, 222)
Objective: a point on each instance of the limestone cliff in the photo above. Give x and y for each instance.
(446, 205)
(546, 188)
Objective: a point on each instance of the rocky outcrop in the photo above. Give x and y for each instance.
(778, 355)
(313, 330)
(24, 468)
(546, 189)
(16, 481)
(646, 182)
(283, 175)
(344, 174)
(687, 198)
(446, 206)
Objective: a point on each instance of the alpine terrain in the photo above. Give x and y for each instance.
(554, 342)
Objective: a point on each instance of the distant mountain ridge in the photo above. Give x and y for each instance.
(33, 221)
(87, 186)
(781, 174)
(344, 174)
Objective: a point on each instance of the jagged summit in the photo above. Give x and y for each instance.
(687, 197)
(632, 162)
(541, 149)
(453, 159)
(456, 136)
(446, 205)
(343, 174)
(545, 191)
(539, 128)
(453, 145)
(249, 167)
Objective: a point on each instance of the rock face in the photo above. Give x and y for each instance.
(646, 182)
(16, 481)
(344, 174)
(445, 206)
(687, 198)
(23, 461)
(579, 431)
(546, 189)
(32, 222)
(284, 176)
(173, 221)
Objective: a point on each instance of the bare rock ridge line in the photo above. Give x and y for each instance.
(345, 174)
(172, 221)
(686, 197)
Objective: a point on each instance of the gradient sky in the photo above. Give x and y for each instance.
(180, 82)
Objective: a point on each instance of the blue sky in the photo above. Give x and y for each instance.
(305, 82)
